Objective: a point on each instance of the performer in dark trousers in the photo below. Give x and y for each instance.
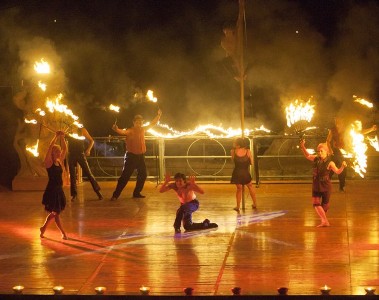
(77, 155)
(135, 155)
(188, 202)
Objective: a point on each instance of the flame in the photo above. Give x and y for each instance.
(61, 108)
(34, 149)
(359, 149)
(42, 85)
(33, 121)
(114, 108)
(76, 136)
(374, 142)
(42, 67)
(209, 130)
(363, 102)
(150, 96)
(299, 110)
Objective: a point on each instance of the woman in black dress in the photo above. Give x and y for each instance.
(242, 158)
(54, 198)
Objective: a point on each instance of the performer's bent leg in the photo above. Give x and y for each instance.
(127, 171)
(179, 218)
(87, 172)
(188, 209)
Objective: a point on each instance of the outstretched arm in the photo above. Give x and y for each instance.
(63, 145)
(90, 141)
(368, 130)
(305, 152)
(118, 130)
(332, 166)
(165, 187)
(48, 157)
(154, 121)
(194, 186)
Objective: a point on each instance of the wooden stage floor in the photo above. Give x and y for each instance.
(128, 243)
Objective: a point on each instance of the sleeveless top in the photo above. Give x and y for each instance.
(241, 174)
(321, 178)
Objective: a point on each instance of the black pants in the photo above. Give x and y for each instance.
(80, 159)
(132, 162)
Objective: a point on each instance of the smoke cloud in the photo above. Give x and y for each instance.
(103, 52)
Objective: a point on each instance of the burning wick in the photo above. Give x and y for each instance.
(100, 290)
(282, 291)
(236, 290)
(145, 290)
(370, 290)
(18, 289)
(58, 289)
(325, 290)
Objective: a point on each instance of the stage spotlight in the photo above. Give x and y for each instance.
(188, 291)
(370, 290)
(236, 290)
(17, 289)
(325, 290)
(58, 289)
(282, 290)
(144, 290)
(100, 290)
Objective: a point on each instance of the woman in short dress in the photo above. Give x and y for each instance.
(54, 198)
(242, 158)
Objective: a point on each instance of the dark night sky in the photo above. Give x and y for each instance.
(103, 50)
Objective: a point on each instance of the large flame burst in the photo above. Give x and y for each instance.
(358, 149)
(299, 111)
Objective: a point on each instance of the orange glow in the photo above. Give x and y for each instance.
(42, 67)
(150, 96)
(34, 149)
(363, 102)
(114, 108)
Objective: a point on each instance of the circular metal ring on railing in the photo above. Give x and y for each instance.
(197, 173)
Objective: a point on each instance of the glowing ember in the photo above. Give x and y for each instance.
(42, 85)
(42, 67)
(299, 111)
(150, 96)
(363, 102)
(114, 108)
(33, 121)
(40, 112)
(34, 149)
(374, 142)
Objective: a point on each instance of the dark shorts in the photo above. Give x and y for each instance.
(324, 196)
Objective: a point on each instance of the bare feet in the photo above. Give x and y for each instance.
(42, 231)
(64, 237)
(324, 224)
(236, 209)
(254, 206)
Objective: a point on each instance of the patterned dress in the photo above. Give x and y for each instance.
(54, 198)
(241, 174)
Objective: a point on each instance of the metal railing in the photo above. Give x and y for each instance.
(276, 158)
